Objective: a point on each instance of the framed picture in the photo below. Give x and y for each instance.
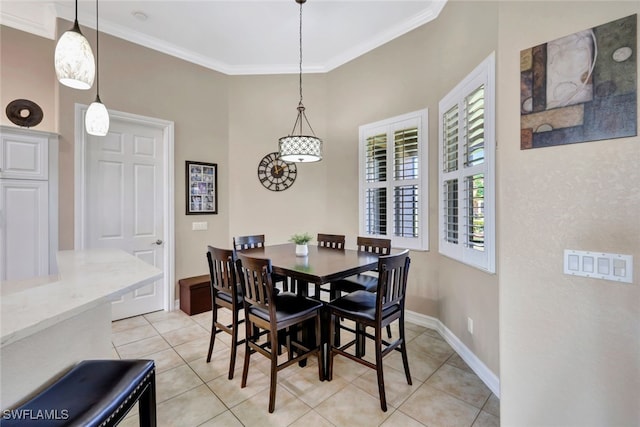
(581, 87)
(202, 188)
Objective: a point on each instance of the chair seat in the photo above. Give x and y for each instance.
(289, 306)
(360, 304)
(358, 282)
(92, 393)
(229, 298)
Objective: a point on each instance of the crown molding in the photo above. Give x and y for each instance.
(39, 18)
(31, 17)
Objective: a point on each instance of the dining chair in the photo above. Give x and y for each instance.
(258, 241)
(375, 310)
(226, 292)
(332, 241)
(365, 281)
(329, 241)
(277, 314)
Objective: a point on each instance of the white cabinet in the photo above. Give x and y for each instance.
(24, 156)
(28, 203)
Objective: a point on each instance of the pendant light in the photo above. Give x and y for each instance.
(96, 121)
(300, 147)
(74, 59)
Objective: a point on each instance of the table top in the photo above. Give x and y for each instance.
(320, 266)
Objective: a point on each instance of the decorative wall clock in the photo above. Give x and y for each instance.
(275, 174)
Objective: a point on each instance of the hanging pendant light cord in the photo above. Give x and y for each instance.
(301, 113)
(300, 40)
(97, 54)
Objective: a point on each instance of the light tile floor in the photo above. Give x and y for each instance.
(191, 392)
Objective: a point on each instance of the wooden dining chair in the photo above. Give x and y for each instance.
(329, 241)
(332, 241)
(226, 292)
(365, 281)
(377, 311)
(258, 241)
(277, 314)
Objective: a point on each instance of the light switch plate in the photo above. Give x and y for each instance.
(198, 226)
(599, 265)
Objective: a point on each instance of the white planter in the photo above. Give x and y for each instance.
(302, 250)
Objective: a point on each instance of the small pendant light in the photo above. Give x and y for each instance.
(74, 59)
(300, 147)
(96, 121)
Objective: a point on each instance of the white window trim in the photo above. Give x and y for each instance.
(483, 73)
(420, 243)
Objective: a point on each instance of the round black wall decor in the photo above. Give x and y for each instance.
(23, 112)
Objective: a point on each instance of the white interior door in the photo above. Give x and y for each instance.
(124, 203)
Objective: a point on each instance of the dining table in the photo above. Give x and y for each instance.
(319, 268)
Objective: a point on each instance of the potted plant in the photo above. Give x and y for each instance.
(301, 241)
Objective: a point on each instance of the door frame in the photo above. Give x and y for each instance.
(168, 182)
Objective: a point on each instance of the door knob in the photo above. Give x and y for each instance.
(157, 242)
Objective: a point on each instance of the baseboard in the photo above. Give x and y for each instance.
(490, 379)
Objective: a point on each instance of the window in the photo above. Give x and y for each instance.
(466, 220)
(393, 180)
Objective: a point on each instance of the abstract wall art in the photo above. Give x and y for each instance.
(579, 88)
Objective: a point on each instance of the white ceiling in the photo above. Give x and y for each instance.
(238, 36)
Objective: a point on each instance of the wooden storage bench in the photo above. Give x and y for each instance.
(195, 294)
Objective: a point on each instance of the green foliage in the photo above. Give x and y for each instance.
(301, 239)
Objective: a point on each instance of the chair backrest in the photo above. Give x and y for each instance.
(247, 242)
(333, 241)
(373, 245)
(257, 284)
(222, 269)
(393, 271)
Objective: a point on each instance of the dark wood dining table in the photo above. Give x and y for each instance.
(320, 267)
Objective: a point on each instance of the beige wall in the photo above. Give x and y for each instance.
(569, 346)
(263, 109)
(26, 66)
(139, 81)
(142, 81)
(413, 72)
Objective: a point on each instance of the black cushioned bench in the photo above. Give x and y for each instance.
(93, 393)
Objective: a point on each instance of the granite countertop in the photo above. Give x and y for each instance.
(86, 279)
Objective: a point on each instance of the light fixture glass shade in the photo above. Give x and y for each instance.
(96, 121)
(74, 62)
(300, 148)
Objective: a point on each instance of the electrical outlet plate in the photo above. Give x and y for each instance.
(599, 265)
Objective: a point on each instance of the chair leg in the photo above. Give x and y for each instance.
(274, 372)
(330, 345)
(383, 397)
(360, 340)
(234, 343)
(321, 347)
(147, 405)
(403, 351)
(335, 327)
(247, 351)
(214, 319)
(389, 331)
